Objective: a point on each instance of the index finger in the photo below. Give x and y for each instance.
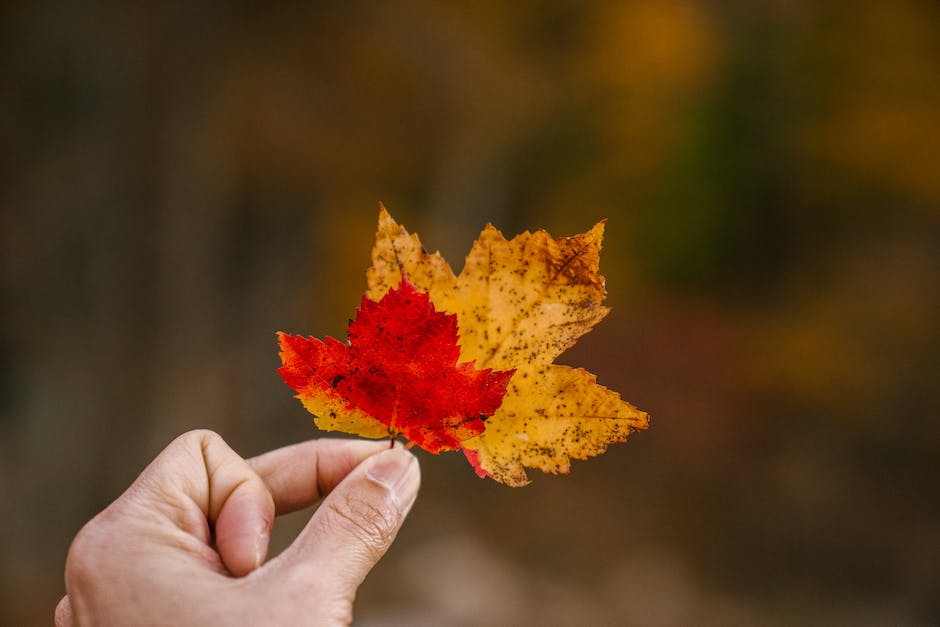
(301, 474)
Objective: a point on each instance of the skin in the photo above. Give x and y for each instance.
(151, 557)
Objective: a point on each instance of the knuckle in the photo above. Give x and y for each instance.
(63, 613)
(197, 437)
(82, 561)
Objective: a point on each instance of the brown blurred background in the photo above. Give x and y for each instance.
(180, 181)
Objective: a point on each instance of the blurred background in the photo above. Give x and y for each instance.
(183, 179)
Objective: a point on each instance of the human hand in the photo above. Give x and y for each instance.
(186, 543)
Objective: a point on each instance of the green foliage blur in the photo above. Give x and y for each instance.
(182, 179)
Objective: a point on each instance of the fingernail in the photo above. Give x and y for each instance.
(397, 470)
(261, 546)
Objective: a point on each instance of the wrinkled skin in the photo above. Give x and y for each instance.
(186, 543)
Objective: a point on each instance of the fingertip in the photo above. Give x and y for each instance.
(301, 474)
(398, 471)
(359, 520)
(243, 532)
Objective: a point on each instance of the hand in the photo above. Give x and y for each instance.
(186, 543)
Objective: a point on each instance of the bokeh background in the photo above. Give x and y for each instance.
(182, 179)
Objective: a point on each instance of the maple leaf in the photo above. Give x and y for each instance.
(519, 304)
(398, 374)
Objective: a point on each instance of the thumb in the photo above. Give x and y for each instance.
(355, 525)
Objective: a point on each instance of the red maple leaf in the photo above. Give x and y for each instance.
(399, 369)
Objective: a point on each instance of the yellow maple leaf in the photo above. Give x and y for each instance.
(519, 304)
